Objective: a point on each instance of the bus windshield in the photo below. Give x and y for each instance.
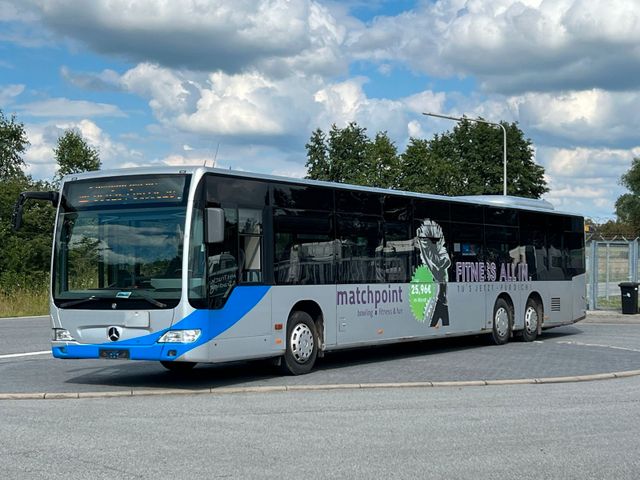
(117, 253)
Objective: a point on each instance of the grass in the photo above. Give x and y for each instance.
(24, 303)
(611, 303)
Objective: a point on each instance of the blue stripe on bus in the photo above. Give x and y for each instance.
(211, 323)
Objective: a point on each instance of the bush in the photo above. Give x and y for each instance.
(24, 295)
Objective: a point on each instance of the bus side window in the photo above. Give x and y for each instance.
(222, 262)
(304, 247)
(250, 254)
(251, 263)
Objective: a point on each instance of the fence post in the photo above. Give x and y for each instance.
(606, 284)
(633, 264)
(593, 273)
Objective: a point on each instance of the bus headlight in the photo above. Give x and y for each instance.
(62, 335)
(180, 336)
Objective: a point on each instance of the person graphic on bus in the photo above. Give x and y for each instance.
(433, 254)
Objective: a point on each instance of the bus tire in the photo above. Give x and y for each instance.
(178, 367)
(502, 322)
(532, 317)
(302, 344)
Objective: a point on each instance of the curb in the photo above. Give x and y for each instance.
(309, 388)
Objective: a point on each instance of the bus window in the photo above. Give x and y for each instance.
(435, 210)
(360, 254)
(466, 213)
(236, 191)
(574, 243)
(398, 252)
(533, 227)
(501, 245)
(304, 247)
(302, 197)
(399, 244)
(250, 231)
(197, 264)
(358, 202)
(222, 262)
(466, 244)
(507, 217)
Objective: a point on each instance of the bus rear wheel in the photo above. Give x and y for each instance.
(302, 344)
(178, 367)
(532, 319)
(502, 322)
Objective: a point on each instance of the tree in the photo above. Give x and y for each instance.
(610, 229)
(382, 162)
(340, 157)
(25, 256)
(469, 161)
(423, 170)
(628, 204)
(13, 143)
(466, 161)
(317, 164)
(74, 155)
(348, 155)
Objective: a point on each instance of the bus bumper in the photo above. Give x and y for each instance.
(157, 352)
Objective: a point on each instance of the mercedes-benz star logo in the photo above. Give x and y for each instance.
(114, 334)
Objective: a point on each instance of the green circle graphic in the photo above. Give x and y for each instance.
(423, 292)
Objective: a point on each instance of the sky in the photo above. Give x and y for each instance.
(245, 82)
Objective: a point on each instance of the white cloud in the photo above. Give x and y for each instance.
(63, 107)
(170, 92)
(9, 92)
(43, 139)
(219, 104)
(592, 116)
(105, 80)
(586, 180)
(112, 153)
(39, 155)
(214, 35)
(246, 104)
(180, 160)
(586, 163)
(257, 77)
(346, 101)
(514, 45)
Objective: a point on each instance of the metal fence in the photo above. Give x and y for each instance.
(609, 262)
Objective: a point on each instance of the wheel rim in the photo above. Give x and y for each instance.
(501, 321)
(531, 320)
(301, 342)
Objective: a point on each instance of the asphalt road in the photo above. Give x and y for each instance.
(586, 430)
(581, 349)
(569, 431)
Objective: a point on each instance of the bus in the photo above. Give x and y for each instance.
(202, 265)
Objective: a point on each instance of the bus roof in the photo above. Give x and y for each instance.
(489, 200)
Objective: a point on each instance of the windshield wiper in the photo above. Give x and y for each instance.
(149, 299)
(82, 300)
(93, 298)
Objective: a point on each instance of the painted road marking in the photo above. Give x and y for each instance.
(28, 354)
(580, 344)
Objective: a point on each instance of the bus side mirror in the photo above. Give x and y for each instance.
(16, 217)
(214, 225)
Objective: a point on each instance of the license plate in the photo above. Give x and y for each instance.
(114, 354)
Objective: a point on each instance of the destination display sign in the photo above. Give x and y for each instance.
(126, 191)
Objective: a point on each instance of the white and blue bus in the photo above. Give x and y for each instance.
(184, 266)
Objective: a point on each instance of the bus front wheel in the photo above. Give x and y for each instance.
(302, 344)
(502, 322)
